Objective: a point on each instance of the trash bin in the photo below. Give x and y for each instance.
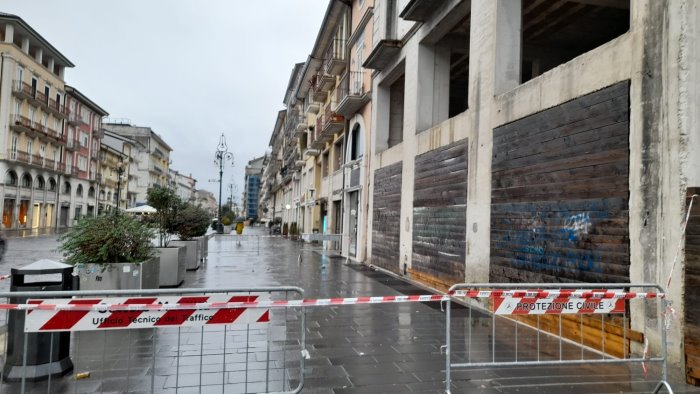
(47, 353)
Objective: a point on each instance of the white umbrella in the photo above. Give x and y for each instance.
(142, 209)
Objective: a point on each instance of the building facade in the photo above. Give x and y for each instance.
(508, 141)
(82, 132)
(251, 193)
(32, 97)
(207, 200)
(185, 186)
(152, 158)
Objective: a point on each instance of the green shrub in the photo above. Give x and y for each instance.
(105, 239)
(192, 221)
(168, 205)
(226, 221)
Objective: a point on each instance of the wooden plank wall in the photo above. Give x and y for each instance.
(559, 203)
(440, 216)
(386, 217)
(692, 292)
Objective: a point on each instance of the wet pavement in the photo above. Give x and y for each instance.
(386, 348)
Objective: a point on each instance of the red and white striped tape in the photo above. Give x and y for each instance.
(549, 294)
(150, 312)
(3, 277)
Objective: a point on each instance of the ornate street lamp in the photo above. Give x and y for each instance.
(120, 171)
(221, 156)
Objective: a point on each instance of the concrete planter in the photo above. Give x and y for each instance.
(172, 265)
(192, 256)
(119, 276)
(203, 247)
(228, 229)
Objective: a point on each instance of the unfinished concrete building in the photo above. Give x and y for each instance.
(538, 141)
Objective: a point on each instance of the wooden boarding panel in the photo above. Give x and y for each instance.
(692, 292)
(559, 204)
(439, 215)
(386, 217)
(560, 191)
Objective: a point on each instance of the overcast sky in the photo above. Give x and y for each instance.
(189, 69)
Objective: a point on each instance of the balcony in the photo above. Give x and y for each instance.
(71, 171)
(383, 53)
(310, 152)
(319, 95)
(352, 94)
(21, 124)
(25, 125)
(311, 106)
(331, 123)
(335, 57)
(420, 10)
(71, 145)
(73, 118)
(301, 127)
(22, 90)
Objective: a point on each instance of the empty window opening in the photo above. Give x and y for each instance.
(554, 32)
(396, 104)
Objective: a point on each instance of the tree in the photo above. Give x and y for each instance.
(168, 205)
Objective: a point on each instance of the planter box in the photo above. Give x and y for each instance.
(228, 229)
(192, 259)
(119, 276)
(203, 247)
(172, 266)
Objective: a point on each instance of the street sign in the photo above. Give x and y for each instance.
(508, 305)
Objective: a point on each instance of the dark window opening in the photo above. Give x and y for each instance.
(396, 101)
(554, 32)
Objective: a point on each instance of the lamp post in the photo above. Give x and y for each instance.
(120, 171)
(221, 156)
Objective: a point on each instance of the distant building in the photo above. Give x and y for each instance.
(251, 194)
(152, 158)
(206, 200)
(82, 132)
(184, 186)
(115, 153)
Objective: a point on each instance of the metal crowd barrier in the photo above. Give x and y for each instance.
(205, 348)
(241, 244)
(526, 327)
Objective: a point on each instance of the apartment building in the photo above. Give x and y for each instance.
(32, 96)
(116, 159)
(184, 185)
(152, 158)
(509, 141)
(206, 200)
(529, 141)
(82, 131)
(251, 193)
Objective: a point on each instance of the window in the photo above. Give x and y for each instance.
(82, 163)
(396, 101)
(30, 147)
(355, 144)
(15, 141)
(31, 114)
(42, 150)
(79, 191)
(34, 86)
(57, 125)
(83, 139)
(78, 211)
(66, 187)
(85, 116)
(11, 178)
(55, 155)
(40, 183)
(91, 192)
(26, 181)
(18, 107)
(20, 75)
(52, 185)
(45, 120)
(69, 162)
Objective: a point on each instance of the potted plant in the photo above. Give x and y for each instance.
(192, 222)
(293, 232)
(226, 221)
(111, 252)
(172, 257)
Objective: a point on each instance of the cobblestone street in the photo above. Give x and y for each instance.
(392, 348)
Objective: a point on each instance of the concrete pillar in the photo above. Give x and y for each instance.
(9, 33)
(51, 64)
(39, 55)
(25, 45)
(508, 44)
(62, 72)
